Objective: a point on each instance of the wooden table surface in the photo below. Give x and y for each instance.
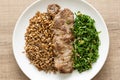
(10, 10)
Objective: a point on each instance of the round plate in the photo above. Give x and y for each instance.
(74, 5)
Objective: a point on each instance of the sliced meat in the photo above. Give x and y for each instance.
(64, 20)
(63, 37)
(53, 9)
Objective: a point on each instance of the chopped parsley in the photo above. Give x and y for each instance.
(86, 43)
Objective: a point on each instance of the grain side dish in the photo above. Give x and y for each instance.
(55, 41)
(39, 46)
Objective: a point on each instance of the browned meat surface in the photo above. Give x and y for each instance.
(63, 36)
(53, 9)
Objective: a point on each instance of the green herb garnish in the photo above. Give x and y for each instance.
(86, 43)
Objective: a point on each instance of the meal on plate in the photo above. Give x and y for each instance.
(58, 41)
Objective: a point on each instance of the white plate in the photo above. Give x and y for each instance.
(74, 5)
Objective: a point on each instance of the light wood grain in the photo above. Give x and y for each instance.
(10, 10)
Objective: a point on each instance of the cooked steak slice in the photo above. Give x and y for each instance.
(53, 9)
(63, 37)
